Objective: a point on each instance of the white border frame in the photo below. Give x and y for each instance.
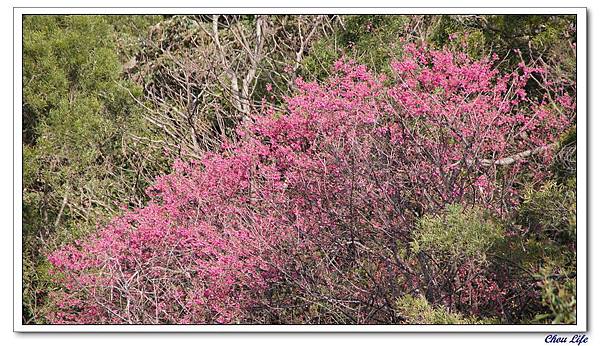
(582, 236)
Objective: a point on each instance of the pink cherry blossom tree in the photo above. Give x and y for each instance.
(311, 208)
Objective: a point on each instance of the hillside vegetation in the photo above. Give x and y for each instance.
(299, 169)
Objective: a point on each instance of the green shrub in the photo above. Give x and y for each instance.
(458, 233)
(551, 210)
(559, 296)
(372, 40)
(416, 310)
(549, 214)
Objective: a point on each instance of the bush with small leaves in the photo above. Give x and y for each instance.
(559, 295)
(417, 310)
(552, 210)
(457, 234)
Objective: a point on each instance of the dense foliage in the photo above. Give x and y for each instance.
(79, 122)
(426, 181)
